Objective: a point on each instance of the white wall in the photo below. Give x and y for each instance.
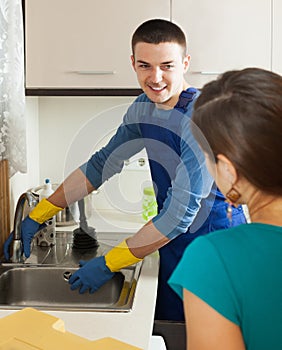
(66, 121)
(70, 130)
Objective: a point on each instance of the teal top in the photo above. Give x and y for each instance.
(238, 272)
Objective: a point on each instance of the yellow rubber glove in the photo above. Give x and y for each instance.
(119, 257)
(44, 211)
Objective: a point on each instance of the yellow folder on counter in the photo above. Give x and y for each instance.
(31, 329)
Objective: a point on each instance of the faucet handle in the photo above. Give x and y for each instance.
(32, 198)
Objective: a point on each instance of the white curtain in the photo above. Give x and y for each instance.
(12, 97)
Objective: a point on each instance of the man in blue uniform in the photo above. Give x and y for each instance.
(158, 120)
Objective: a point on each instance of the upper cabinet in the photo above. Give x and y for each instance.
(277, 36)
(225, 35)
(84, 44)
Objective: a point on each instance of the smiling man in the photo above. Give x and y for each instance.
(160, 68)
(159, 120)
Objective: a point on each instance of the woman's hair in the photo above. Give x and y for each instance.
(240, 115)
(156, 31)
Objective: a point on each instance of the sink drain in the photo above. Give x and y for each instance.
(67, 275)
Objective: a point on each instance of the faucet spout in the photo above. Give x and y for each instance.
(32, 200)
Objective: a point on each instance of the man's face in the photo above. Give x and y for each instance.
(160, 69)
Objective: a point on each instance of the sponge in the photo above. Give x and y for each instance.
(31, 329)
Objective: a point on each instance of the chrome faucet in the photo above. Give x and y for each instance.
(31, 199)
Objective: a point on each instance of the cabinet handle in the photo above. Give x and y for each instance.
(95, 72)
(205, 73)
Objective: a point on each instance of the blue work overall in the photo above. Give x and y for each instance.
(163, 170)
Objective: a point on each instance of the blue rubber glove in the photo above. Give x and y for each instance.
(92, 275)
(7, 245)
(28, 230)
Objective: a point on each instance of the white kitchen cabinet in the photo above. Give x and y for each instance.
(277, 37)
(224, 35)
(84, 44)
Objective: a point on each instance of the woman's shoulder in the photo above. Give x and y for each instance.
(237, 238)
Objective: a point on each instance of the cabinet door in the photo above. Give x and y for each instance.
(277, 36)
(86, 43)
(224, 35)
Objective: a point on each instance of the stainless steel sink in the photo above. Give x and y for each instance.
(45, 285)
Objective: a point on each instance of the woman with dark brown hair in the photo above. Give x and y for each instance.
(231, 280)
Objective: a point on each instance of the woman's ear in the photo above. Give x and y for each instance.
(227, 168)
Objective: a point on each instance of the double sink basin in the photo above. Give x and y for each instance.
(42, 281)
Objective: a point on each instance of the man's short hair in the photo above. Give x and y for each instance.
(156, 31)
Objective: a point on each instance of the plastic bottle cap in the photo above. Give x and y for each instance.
(149, 191)
(47, 189)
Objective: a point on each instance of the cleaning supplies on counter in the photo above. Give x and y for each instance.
(47, 235)
(47, 190)
(149, 205)
(66, 217)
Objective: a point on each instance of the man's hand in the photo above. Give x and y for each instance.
(92, 275)
(31, 224)
(29, 228)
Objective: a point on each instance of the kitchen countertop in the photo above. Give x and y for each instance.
(115, 221)
(134, 327)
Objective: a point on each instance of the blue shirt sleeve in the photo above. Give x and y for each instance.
(192, 183)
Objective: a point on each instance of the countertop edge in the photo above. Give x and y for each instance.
(134, 327)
